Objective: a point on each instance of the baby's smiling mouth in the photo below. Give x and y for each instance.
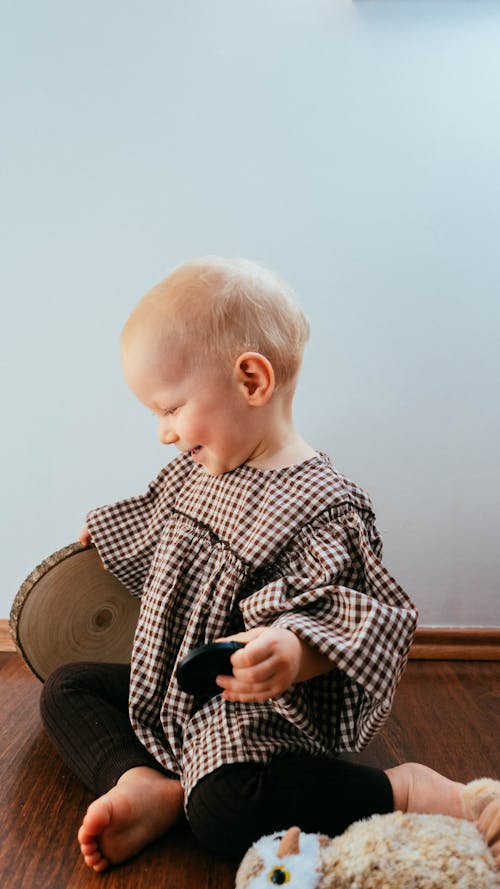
(195, 450)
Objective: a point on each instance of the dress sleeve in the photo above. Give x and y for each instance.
(127, 532)
(335, 594)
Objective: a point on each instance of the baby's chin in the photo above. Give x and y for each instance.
(212, 464)
(208, 470)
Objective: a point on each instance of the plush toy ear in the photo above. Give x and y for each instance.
(289, 845)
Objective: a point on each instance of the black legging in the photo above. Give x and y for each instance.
(84, 709)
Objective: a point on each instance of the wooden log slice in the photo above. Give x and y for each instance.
(70, 609)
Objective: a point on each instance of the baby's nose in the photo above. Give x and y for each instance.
(167, 434)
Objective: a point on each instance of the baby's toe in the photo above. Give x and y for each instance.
(92, 858)
(101, 865)
(478, 795)
(496, 854)
(489, 821)
(85, 838)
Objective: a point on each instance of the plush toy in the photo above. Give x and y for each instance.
(395, 851)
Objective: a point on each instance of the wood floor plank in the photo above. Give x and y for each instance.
(446, 714)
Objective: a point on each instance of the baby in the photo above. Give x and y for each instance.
(249, 534)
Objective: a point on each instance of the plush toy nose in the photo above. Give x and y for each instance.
(289, 844)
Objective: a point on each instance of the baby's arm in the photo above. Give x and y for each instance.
(273, 659)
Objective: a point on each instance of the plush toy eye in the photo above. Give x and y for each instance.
(278, 876)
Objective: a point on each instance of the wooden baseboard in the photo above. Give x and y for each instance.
(456, 644)
(430, 643)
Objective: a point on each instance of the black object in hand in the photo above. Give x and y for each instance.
(197, 671)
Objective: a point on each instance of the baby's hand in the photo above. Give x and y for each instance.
(265, 668)
(84, 537)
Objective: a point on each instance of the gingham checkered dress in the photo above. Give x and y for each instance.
(213, 555)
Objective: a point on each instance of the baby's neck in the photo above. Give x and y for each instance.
(291, 452)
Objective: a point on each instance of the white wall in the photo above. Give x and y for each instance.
(352, 146)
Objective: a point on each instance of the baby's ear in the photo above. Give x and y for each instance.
(255, 376)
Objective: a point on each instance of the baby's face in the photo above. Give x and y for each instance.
(200, 410)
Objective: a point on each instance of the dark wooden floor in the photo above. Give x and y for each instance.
(446, 715)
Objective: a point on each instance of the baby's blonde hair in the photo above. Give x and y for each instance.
(216, 309)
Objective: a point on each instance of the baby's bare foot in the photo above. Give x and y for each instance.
(416, 788)
(141, 807)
